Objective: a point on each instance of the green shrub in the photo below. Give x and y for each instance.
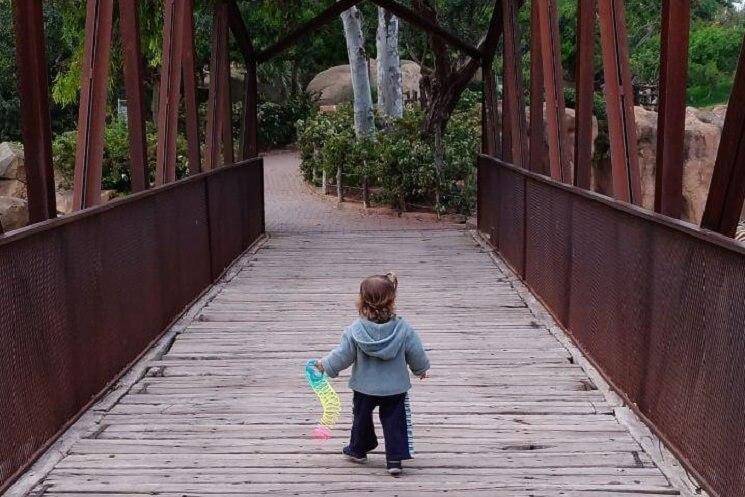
(277, 121)
(399, 159)
(116, 156)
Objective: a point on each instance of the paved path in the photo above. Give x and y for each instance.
(226, 410)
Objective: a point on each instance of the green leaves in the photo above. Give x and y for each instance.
(399, 159)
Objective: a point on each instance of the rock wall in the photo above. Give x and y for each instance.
(703, 132)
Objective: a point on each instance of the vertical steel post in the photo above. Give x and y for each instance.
(727, 190)
(514, 127)
(585, 78)
(93, 95)
(226, 106)
(190, 89)
(31, 63)
(170, 92)
(129, 26)
(489, 113)
(537, 138)
(559, 163)
(668, 197)
(619, 97)
(215, 103)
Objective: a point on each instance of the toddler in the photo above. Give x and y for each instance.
(379, 345)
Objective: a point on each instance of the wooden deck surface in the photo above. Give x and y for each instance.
(227, 410)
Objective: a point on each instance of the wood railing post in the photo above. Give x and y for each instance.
(216, 101)
(538, 157)
(189, 74)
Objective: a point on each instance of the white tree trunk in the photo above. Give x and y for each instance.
(364, 119)
(390, 84)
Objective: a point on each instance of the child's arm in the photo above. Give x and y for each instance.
(340, 358)
(416, 357)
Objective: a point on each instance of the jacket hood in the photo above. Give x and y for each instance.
(382, 340)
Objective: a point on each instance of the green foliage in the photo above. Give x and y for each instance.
(398, 160)
(116, 174)
(277, 120)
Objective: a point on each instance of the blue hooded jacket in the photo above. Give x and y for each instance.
(380, 354)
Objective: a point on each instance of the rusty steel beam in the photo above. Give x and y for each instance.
(92, 113)
(226, 108)
(489, 112)
(668, 198)
(331, 13)
(514, 125)
(249, 123)
(170, 92)
(558, 156)
(415, 19)
(215, 103)
(31, 63)
(619, 97)
(129, 26)
(727, 190)
(538, 159)
(189, 74)
(585, 78)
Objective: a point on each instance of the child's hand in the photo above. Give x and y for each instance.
(319, 366)
(423, 375)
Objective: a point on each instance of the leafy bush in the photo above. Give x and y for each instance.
(277, 121)
(116, 156)
(399, 159)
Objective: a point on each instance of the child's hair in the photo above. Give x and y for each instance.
(377, 297)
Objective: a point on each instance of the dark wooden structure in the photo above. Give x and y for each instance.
(655, 303)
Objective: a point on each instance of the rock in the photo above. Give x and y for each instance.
(569, 122)
(64, 199)
(12, 171)
(702, 135)
(13, 213)
(334, 85)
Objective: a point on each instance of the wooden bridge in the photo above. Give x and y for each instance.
(582, 345)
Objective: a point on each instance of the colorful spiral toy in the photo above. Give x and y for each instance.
(330, 402)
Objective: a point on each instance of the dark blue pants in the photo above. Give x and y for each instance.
(395, 418)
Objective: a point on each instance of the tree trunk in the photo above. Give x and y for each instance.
(365, 192)
(364, 122)
(339, 191)
(439, 164)
(390, 83)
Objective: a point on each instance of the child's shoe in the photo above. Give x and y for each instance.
(394, 468)
(353, 457)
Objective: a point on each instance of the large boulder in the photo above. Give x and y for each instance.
(334, 85)
(12, 171)
(702, 135)
(13, 213)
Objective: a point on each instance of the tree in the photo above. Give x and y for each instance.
(364, 118)
(390, 84)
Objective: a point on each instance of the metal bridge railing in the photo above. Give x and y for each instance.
(657, 305)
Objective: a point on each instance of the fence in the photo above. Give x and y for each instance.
(83, 296)
(656, 304)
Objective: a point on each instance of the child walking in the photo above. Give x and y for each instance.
(380, 345)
